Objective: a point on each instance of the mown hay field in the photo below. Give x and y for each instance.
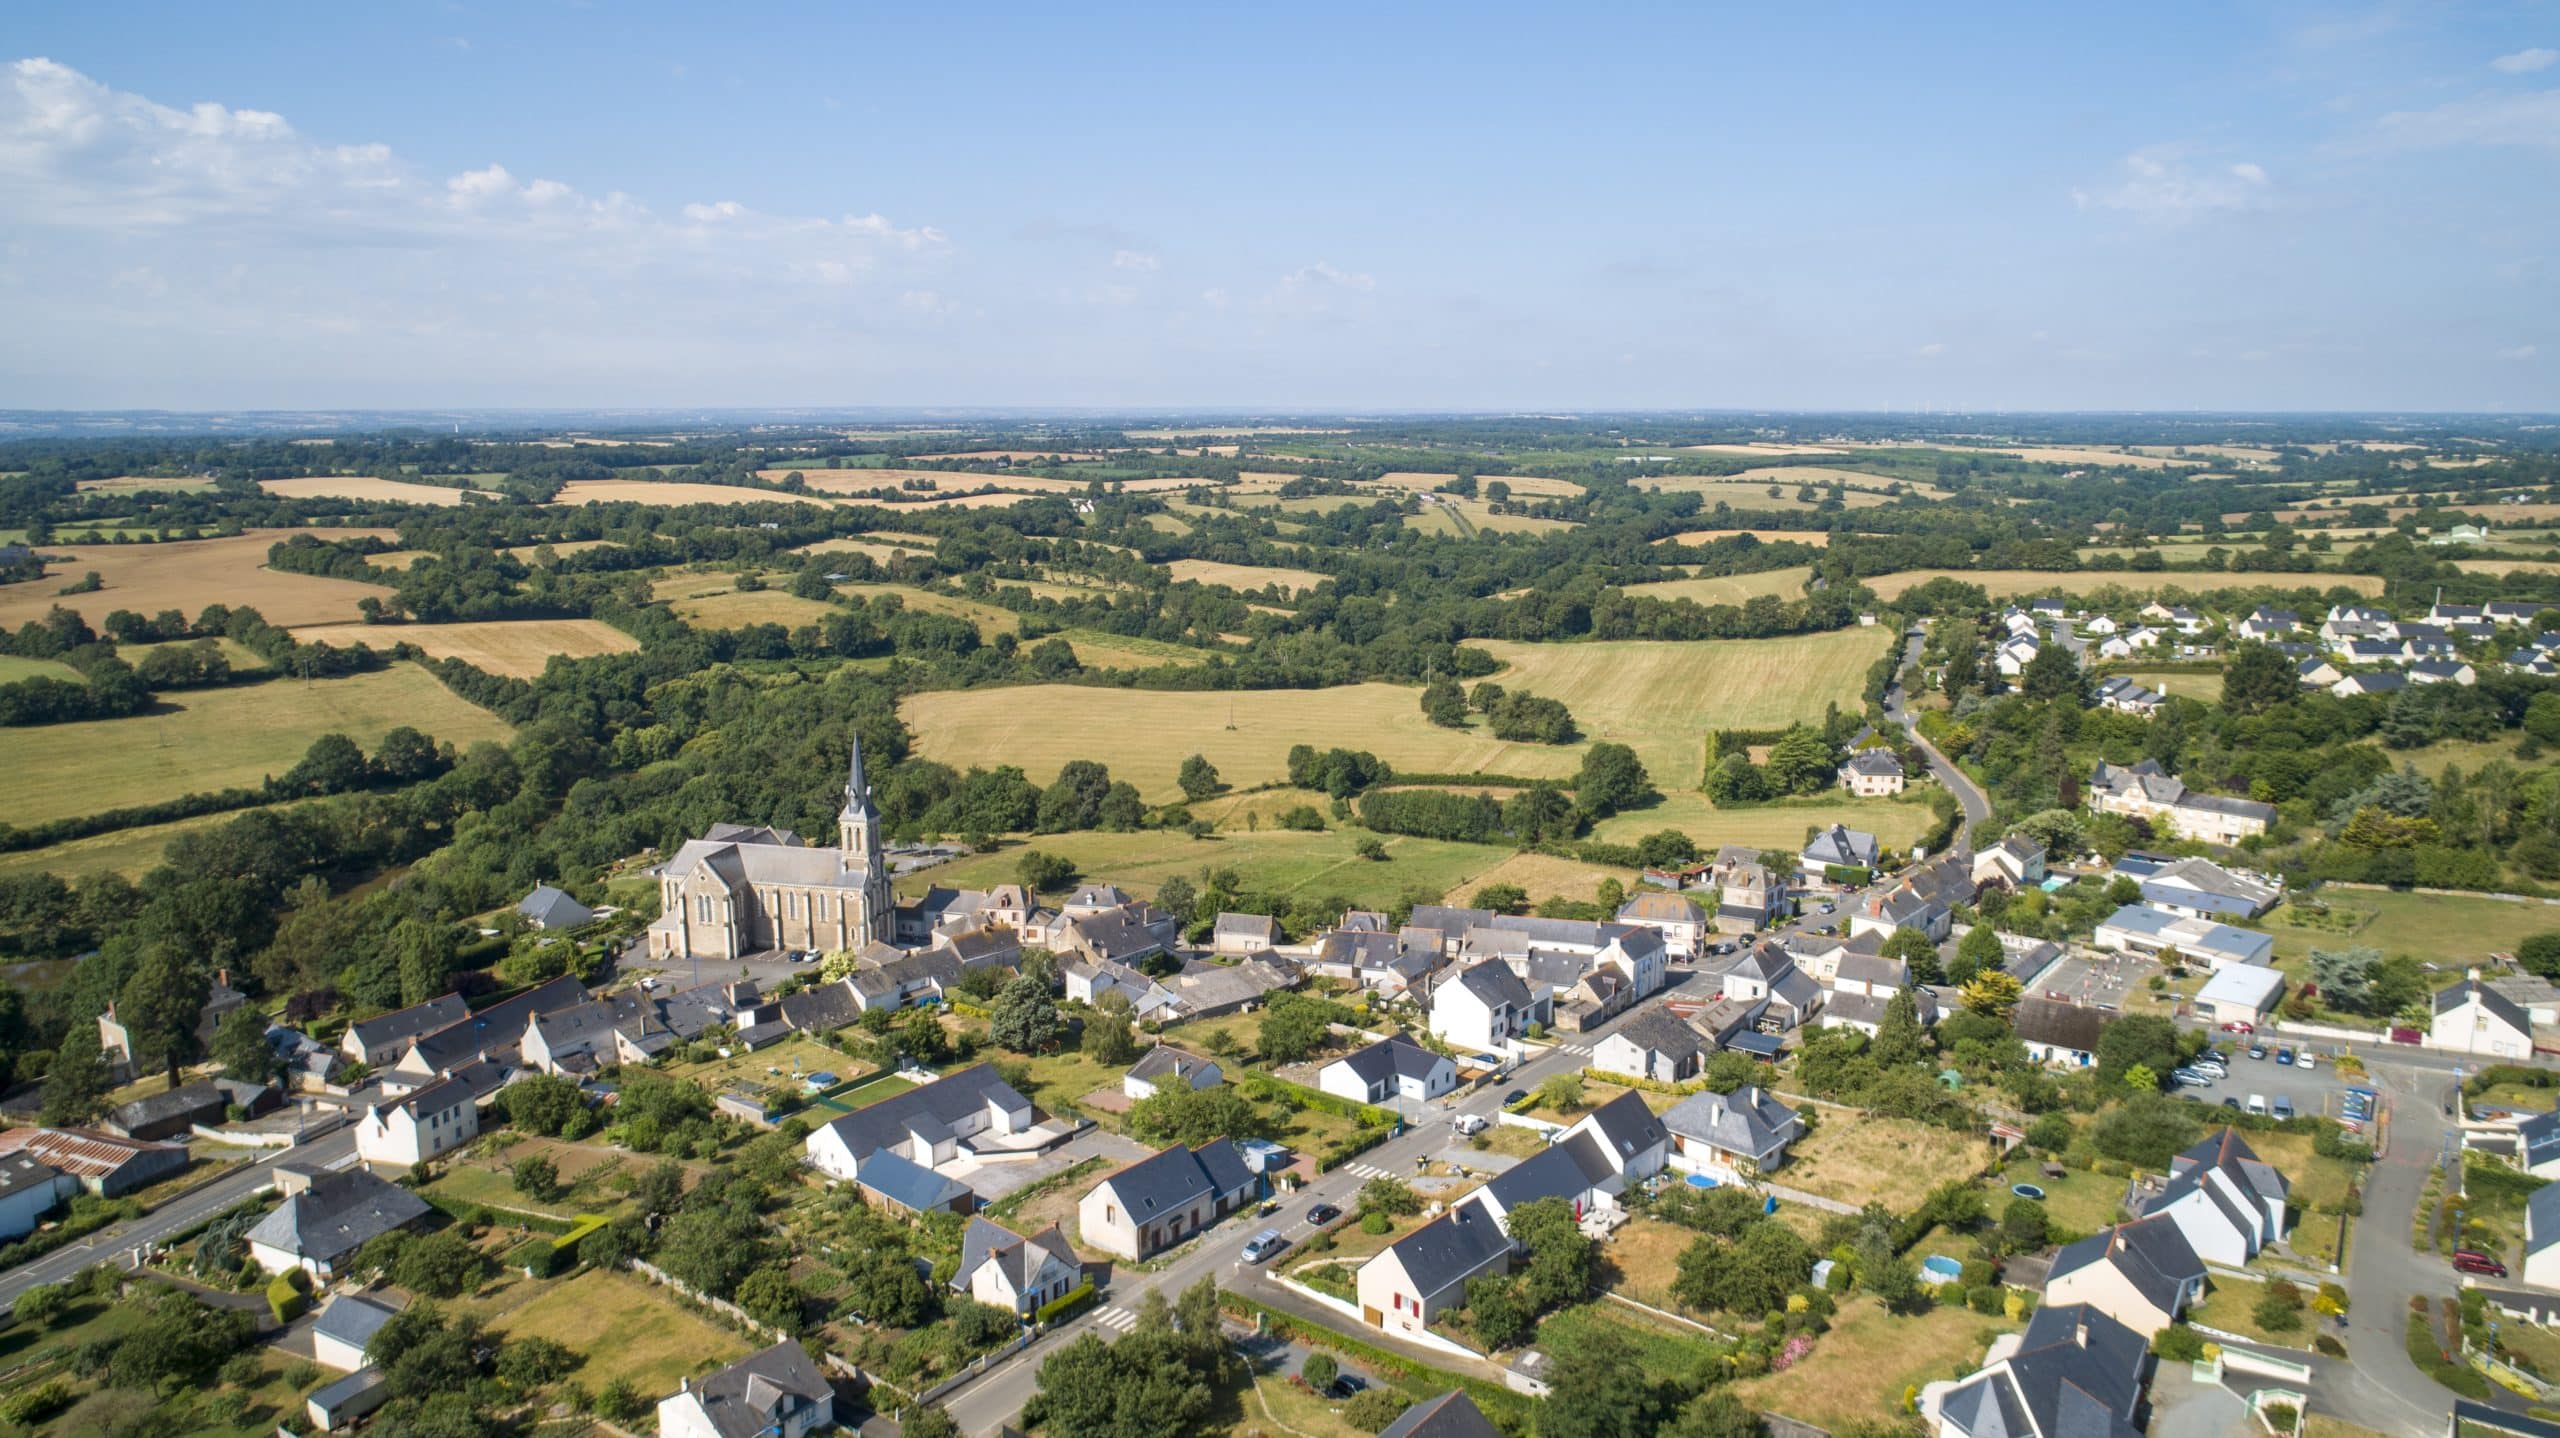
(2009, 583)
(674, 491)
(1282, 861)
(186, 575)
(1817, 538)
(1660, 697)
(517, 648)
(1898, 824)
(226, 738)
(141, 484)
(1248, 578)
(130, 852)
(1729, 588)
(362, 487)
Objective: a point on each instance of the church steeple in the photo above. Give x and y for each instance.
(858, 826)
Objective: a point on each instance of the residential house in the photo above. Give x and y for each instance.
(1129, 936)
(575, 1042)
(2443, 671)
(1393, 1068)
(1731, 1136)
(2200, 888)
(891, 1181)
(2536, 995)
(991, 946)
(2317, 673)
(321, 1227)
(2016, 862)
(2186, 621)
(2074, 1373)
(381, 1039)
(2226, 1201)
(1164, 1198)
(116, 1045)
(1166, 1065)
(740, 890)
(1148, 1000)
(1390, 963)
(2267, 625)
(1204, 989)
(105, 1164)
(2122, 695)
(552, 909)
(1839, 847)
(29, 1189)
(420, 1124)
(926, 1125)
(1452, 1414)
(1001, 1267)
(1768, 976)
(1654, 1044)
(343, 1328)
(1241, 936)
(1750, 895)
(1863, 987)
(2058, 1032)
(2014, 655)
(1485, 1006)
(2528, 1141)
(2473, 1018)
(2158, 933)
(1679, 919)
(2356, 686)
(776, 1392)
(2511, 612)
(1872, 774)
(2542, 1237)
(2148, 792)
(496, 1032)
(1425, 1273)
(2142, 1274)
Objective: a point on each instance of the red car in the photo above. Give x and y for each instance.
(2467, 1261)
(2239, 1026)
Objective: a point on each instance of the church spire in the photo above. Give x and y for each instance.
(858, 827)
(857, 787)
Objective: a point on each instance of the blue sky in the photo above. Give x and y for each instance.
(1476, 207)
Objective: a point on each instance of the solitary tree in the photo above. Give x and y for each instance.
(1199, 778)
(159, 1008)
(240, 1046)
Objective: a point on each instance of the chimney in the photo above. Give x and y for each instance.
(222, 977)
(2080, 1330)
(2115, 1239)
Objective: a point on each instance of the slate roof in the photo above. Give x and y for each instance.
(2539, 1139)
(1748, 1120)
(2201, 936)
(18, 1173)
(871, 1128)
(554, 909)
(2076, 1374)
(1657, 907)
(2499, 1005)
(1018, 1256)
(1396, 1054)
(1493, 982)
(352, 1319)
(2151, 1254)
(337, 1215)
(1873, 969)
(908, 1183)
(1567, 1168)
(822, 1008)
(1205, 987)
(2058, 1024)
(403, 1024)
(1874, 763)
(744, 858)
(1626, 1126)
(2542, 1218)
(1849, 848)
(2231, 1153)
(1454, 1246)
(1247, 926)
(1164, 1061)
(152, 1109)
(1451, 1415)
(1657, 1030)
(1116, 936)
(1176, 1177)
(497, 1029)
(744, 1399)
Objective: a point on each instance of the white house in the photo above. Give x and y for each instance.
(1164, 1198)
(925, 1125)
(1653, 1044)
(2226, 1202)
(2142, 1274)
(2240, 993)
(777, 1392)
(2074, 1373)
(418, 1125)
(30, 1189)
(1393, 1068)
(2141, 929)
(1001, 1267)
(2016, 861)
(1679, 919)
(2473, 1018)
(323, 1225)
(1872, 774)
(2542, 1237)
(1733, 1135)
(342, 1329)
(1166, 1065)
(2146, 791)
(2056, 1032)
(1485, 1006)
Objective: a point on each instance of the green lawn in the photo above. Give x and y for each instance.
(2228, 1306)
(782, 1063)
(130, 852)
(1666, 1352)
(1861, 1369)
(622, 1325)
(2080, 1200)
(2447, 931)
(14, 668)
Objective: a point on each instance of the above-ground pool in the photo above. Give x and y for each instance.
(1938, 1268)
(2026, 1190)
(1700, 1180)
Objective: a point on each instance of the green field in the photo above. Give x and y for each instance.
(1097, 650)
(215, 739)
(1897, 823)
(1275, 861)
(130, 852)
(2447, 931)
(1729, 588)
(2015, 583)
(2203, 684)
(14, 668)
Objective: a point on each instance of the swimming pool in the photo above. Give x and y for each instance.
(1938, 1268)
(2026, 1190)
(1700, 1180)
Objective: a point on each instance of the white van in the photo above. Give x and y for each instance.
(2257, 1103)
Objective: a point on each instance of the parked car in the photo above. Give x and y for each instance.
(2189, 1078)
(1323, 1213)
(2239, 1026)
(2479, 1264)
(1346, 1385)
(2306, 1059)
(1515, 1096)
(2257, 1103)
(1266, 1244)
(2232, 1104)
(2284, 1055)
(2207, 1063)
(2283, 1106)
(2257, 1051)
(1469, 1124)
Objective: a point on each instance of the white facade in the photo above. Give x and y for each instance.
(410, 1132)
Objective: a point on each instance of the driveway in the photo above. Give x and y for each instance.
(994, 1178)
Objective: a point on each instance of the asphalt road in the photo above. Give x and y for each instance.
(112, 1242)
(1975, 804)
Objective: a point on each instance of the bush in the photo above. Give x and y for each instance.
(2178, 1343)
(1319, 1371)
(1371, 1410)
(1374, 1223)
(2281, 1416)
(1073, 1301)
(540, 1257)
(2274, 1314)
(31, 1406)
(288, 1293)
(1984, 1300)
(617, 1402)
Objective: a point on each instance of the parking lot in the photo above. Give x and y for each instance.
(2314, 1091)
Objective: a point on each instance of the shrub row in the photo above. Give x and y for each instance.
(2460, 1377)
(87, 1215)
(1073, 1301)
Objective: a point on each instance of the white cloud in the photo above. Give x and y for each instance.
(1138, 260)
(2532, 118)
(1321, 275)
(2158, 185)
(2525, 62)
(1931, 350)
(2520, 352)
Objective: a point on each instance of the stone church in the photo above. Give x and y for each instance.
(740, 890)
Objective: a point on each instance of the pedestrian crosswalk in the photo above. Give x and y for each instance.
(1116, 1318)
(1583, 1050)
(1366, 1170)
